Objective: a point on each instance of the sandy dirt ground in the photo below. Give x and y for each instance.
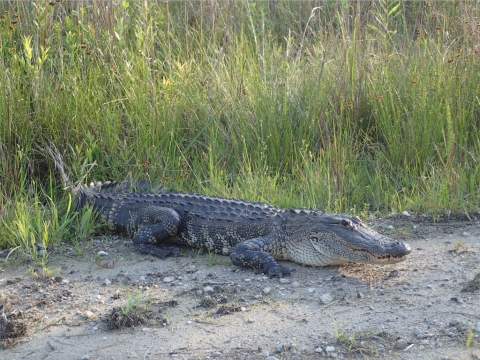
(200, 306)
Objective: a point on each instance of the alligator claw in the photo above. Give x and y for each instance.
(161, 251)
(278, 271)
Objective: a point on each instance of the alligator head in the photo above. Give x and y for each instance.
(325, 239)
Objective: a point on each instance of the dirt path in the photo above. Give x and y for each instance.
(199, 306)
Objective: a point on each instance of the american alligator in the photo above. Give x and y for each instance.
(254, 234)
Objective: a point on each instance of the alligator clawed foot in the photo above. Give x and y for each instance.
(161, 251)
(278, 271)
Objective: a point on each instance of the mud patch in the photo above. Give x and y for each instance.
(12, 327)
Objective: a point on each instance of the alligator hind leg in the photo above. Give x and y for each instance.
(250, 254)
(156, 225)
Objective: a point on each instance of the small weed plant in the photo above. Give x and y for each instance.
(134, 312)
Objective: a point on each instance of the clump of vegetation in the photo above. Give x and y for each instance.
(346, 106)
(131, 314)
(13, 326)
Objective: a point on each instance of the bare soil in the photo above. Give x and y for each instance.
(198, 306)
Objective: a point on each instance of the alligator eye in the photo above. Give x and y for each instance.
(346, 223)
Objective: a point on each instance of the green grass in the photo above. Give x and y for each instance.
(344, 106)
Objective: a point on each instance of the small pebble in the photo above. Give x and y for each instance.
(393, 274)
(102, 253)
(325, 299)
(330, 349)
(267, 290)
(465, 234)
(319, 350)
(453, 322)
(88, 314)
(208, 289)
(371, 307)
(42, 252)
(405, 213)
(106, 282)
(279, 347)
(85, 357)
(283, 281)
(168, 279)
(400, 344)
(65, 281)
(311, 290)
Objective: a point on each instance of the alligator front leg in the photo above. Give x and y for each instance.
(250, 254)
(156, 225)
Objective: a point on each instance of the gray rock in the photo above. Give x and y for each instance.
(325, 299)
(106, 282)
(283, 281)
(330, 349)
(393, 274)
(42, 252)
(267, 290)
(88, 314)
(477, 327)
(400, 344)
(168, 279)
(453, 322)
(319, 350)
(279, 348)
(208, 289)
(102, 253)
(85, 357)
(462, 328)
